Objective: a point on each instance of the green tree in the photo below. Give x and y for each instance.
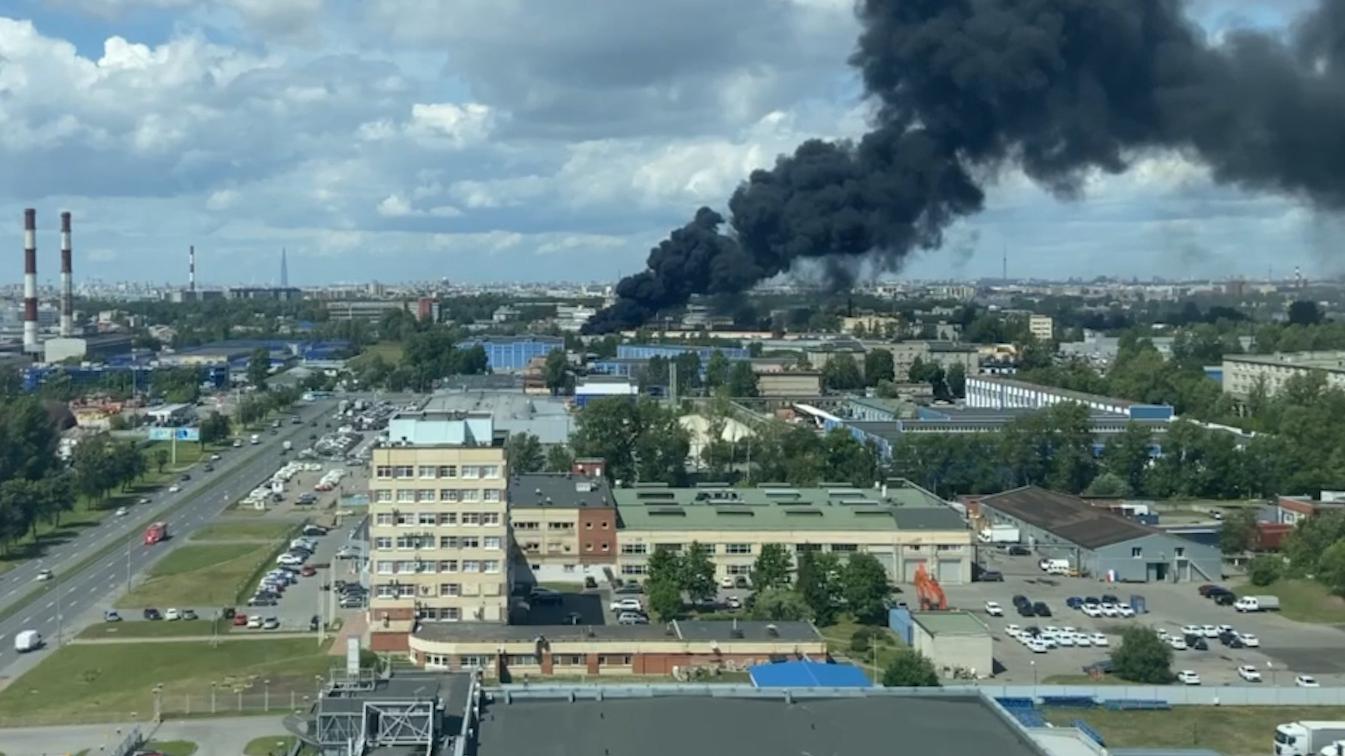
(259, 367)
(865, 586)
(1331, 568)
(161, 459)
(771, 568)
(697, 573)
(878, 366)
(1304, 313)
(1108, 485)
(1311, 538)
(956, 379)
(523, 452)
(214, 428)
(1142, 657)
(1127, 455)
(559, 459)
(665, 600)
(845, 459)
(1238, 534)
(908, 668)
(742, 379)
(841, 373)
(639, 441)
(779, 605)
(556, 371)
(1264, 570)
(816, 583)
(717, 370)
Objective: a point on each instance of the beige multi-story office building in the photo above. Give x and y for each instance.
(1244, 372)
(1042, 327)
(439, 523)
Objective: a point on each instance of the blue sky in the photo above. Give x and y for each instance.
(488, 140)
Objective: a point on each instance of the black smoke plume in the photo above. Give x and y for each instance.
(1058, 88)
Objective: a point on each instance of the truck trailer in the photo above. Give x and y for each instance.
(1257, 604)
(155, 533)
(1307, 737)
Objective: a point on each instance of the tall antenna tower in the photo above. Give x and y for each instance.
(1004, 262)
(284, 270)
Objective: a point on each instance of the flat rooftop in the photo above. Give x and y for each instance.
(680, 630)
(545, 417)
(1334, 360)
(1069, 517)
(722, 726)
(950, 623)
(558, 490)
(783, 508)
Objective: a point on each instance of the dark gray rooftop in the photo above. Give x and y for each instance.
(543, 490)
(1069, 517)
(705, 726)
(691, 630)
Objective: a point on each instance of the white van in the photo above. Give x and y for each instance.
(1055, 566)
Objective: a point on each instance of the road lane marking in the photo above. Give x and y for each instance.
(50, 604)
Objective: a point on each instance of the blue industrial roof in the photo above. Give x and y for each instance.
(808, 674)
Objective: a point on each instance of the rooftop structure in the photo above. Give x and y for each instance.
(1067, 516)
(511, 411)
(1007, 393)
(513, 353)
(438, 428)
(557, 490)
(1243, 373)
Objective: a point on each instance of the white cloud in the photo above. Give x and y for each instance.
(394, 206)
(221, 200)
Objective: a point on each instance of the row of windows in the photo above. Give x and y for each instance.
(559, 548)
(427, 495)
(532, 525)
(411, 542)
(434, 472)
(432, 566)
(432, 519)
(737, 549)
(478, 661)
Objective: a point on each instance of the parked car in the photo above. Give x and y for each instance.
(733, 602)
(111, 616)
(262, 601)
(1177, 642)
(627, 605)
(1041, 609)
(1226, 599)
(189, 614)
(1074, 602)
(741, 581)
(314, 530)
(726, 582)
(994, 609)
(271, 623)
(991, 576)
(1098, 639)
(152, 614)
(1025, 610)
(1196, 643)
(1249, 673)
(1306, 681)
(255, 622)
(631, 618)
(628, 588)
(171, 615)
(240, 619)
(174, 488)
(1017, 551)
(308, 570)
(1188, 677)
(313, 623)
(1249, 640)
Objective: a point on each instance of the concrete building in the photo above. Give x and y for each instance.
(282, 293)
(945, 354)
(1244, 372)
(603, 387)
(903, 526)
(956, 642)
(793, 383)
(438, 525)
(1291, 510)
(1099, 544)
(564, 524)
(1042, 327)
(511, 410)
(513, 353)
(514, 652)
(366, 310)
(671, 351)
(995, 392)
(86, 348)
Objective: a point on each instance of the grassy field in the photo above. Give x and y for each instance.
(199, 575)
(390, 351)
(172, 747)
(161, 629)
(108, 681)
(1301, 600)
(876, 659)
(244, 531)
(1230, 730)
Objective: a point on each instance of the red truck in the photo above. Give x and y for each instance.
(155, 533)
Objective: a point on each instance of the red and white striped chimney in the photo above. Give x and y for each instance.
(191, 268)
(30, 280)
(67, 282)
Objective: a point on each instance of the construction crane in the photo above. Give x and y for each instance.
(929, 591)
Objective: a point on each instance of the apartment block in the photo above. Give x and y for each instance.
(564, 524)
(1244, 372)
(439, 524)
(1042, 327)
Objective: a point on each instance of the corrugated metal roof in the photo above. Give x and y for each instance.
(808, 674)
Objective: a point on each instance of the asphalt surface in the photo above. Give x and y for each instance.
(71, 599)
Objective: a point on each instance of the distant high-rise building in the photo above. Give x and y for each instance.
(284, 270)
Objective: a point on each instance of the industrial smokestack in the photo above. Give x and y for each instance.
(191, 269)
(30, 280)
(67, 284)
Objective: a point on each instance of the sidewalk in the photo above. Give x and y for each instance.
(213, 737)
(222, 638)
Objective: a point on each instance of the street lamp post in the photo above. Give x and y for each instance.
(212, 696)
(1033, 662)
(158, 705)
(266, 696)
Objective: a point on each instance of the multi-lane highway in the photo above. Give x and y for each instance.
(77, 593)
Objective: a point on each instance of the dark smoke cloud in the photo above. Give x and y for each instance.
(1059, 88)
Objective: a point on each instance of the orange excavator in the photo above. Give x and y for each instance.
(929, 591)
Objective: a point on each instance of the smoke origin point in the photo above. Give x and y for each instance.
(1054, 87)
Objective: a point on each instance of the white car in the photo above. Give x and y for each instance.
(1306, 681)
(1124, 610)
(726, 581)
(44, 575)
(1083, 640)
(1249, 673)
(1012, 629)
(993, 609)
(1037, 645)
(172, 614)
(627, 605)
(174, 488)
(255, 622)
(1209, 631)
(1092, 610)
(1065, 640)
(1249, 640)
(289, 559)
(1188, 677)
(121, 511)
(1108, 609)
(1177, 642)
(1099, 639)
(1192, 630)
(1225, 629)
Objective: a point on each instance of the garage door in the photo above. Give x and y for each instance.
(909, 567)
(950, 571)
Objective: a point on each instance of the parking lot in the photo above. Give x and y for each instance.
(304, 599)
(1287, 648)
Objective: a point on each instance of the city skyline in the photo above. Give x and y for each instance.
(381, 141)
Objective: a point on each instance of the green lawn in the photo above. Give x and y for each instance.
(172, 747)
(1230, 730)
(159, 629)
(108, 681)
(245, 531)
(1301, 600)
(838, 644)
(390, 351)
(269, 745)
(199, 575)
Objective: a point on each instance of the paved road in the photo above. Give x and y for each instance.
(213, 737)
(84, 594)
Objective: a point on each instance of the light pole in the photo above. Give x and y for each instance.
(266, 696)
(212, 696)
(1033, 662)
(158, 706)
